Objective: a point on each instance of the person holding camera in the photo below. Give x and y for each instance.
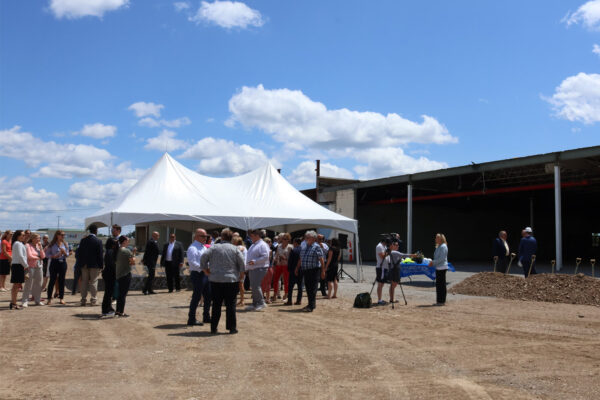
(389, 272)
(381, 252)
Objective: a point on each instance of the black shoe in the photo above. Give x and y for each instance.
(144, 292)
(151, 292)
(206, 320)
(233, 331)
(194, 323)
(170, 290)
(307, 309)
(213, 331)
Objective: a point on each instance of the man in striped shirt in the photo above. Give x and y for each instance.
(313, 267)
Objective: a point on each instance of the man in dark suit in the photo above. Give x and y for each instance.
(109, 272)
(527, 248)
(502, 251)
(149, 260)
(90, 261)
(172, 260)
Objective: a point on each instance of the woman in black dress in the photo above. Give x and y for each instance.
(333, 256)
(18, 266)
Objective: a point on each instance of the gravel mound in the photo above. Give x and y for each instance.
(553, 288)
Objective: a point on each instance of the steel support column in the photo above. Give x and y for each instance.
(558, 217)
(409, 219)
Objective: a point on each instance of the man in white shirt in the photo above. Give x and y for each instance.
(380, 254)
(198, 278)
(257, 263)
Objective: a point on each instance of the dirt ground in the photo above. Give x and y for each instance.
(473, 348)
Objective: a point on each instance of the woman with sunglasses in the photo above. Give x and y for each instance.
(58, 251)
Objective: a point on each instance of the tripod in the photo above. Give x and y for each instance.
(342, 271)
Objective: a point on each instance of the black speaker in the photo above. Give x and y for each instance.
(343, 239)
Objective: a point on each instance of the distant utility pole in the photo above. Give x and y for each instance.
(58, 224)
(318, 174)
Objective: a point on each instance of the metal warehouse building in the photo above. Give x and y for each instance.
(557, 194)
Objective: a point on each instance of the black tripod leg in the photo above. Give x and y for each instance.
(402, 290)
(373, 287)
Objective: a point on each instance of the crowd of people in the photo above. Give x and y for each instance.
(222, 266)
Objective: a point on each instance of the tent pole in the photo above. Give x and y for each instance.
(359, 277)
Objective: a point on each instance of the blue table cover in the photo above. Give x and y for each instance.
(420, 269)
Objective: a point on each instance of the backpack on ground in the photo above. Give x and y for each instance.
(362, 300)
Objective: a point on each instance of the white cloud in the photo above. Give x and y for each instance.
(143, 109)
(174, 123)
(228, 14)
(588, 15)
(16, 196)
(596, 49)
(578, 98)
(305, 172)
(290, 116)
(377, 163)
(73, 9)
(60, 160)
(181, 5)
(92, 193)
(34, 151)
(149, 122)
(98, 131)
(165, 141)
(223, 157)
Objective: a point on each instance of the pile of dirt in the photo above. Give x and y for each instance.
(554, 288)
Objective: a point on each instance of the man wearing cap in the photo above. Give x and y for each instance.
(527, 248)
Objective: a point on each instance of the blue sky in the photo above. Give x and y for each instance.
(92, 92)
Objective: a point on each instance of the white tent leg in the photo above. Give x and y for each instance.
(359, 277)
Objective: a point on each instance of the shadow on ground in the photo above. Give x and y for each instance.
(171, 326)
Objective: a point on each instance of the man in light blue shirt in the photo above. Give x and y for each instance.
(198, 278)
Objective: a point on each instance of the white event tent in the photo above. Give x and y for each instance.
(172, 193)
